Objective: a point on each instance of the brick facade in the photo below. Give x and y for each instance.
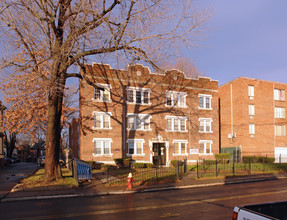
(249, 120)
(152, 118)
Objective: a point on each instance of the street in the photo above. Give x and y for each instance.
(215, 202)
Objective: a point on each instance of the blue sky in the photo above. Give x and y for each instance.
(244, 38)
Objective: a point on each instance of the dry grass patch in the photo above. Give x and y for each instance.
(38, 180)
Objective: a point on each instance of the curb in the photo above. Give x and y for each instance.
(137, 191)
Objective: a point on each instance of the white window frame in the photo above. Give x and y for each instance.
(106, 87)
(251, 128)
(102, 115)
(280, 130)
(204, 98)
(179, 142)
(251, 91)
(205, 142)
(142, 91)
(175, 99)
(279, 112)
(176, 121)
(141, 119)
(135, 141)
(206, 122)
(101, 141)
(251, 110)
(279, 94)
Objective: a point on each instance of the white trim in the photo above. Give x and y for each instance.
(205, 121)
(102, 148)
(105, 86)
(141, 117)
(102, 120)
(142, 90)
(205, 96)
(175, 103)
(179, 118)
(204, 142)
(135, 141)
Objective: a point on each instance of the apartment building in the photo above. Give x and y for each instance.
(149, 117)
(252, 117)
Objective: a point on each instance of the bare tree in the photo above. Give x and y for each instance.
(45, 38)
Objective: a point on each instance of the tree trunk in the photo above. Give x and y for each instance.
(53, 137)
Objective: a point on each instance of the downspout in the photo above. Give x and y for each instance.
(231, 110)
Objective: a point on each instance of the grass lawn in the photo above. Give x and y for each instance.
(38, 180)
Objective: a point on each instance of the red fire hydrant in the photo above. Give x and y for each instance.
(130, 181)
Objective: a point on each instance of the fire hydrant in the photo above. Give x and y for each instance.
(130, 181)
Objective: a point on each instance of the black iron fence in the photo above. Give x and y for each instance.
(143, 176)
(206, 168)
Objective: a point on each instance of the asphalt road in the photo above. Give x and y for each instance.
(215, 202)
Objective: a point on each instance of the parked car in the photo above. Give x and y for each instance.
(275, 210)
(41, 161)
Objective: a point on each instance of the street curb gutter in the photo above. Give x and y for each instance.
(139, 191)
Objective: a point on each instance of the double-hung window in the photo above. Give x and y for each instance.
(102, 120)
(205, 147)
(279, 112)
(204, 101)
(251, 128)
(135, 147)
(180, 147)
(251, 92)
(279, 94)
(175, 123)
(138, 122)
(102, 93)
(280, 130)
(251, 110)
(205, 125)
(175, 99)
(102, 146)
(138, 96)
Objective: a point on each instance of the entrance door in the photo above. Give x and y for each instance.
(159, 157)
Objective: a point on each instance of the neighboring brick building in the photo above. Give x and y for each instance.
(252, 117)
(152, 118)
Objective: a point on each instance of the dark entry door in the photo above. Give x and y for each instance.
(159, 157)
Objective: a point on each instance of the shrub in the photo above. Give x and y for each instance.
(138, 165)
(93, 164)
(119, 162)
(149, 165)
(209, 162)
(127, 162)
(255, 159)
(176, 163)
(109, 166)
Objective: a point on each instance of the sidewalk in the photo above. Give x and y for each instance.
(96, 187)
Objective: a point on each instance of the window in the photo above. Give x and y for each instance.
(135, 147)
(138, 122)
(251, 92)
(102, 146)
(204, 101)
(251, 110)
(102, 94)
(205, 147)
(251, 128)
(175, 123)
(279, 112)
(177, 99)
(138, 95)
(279, 94)
(101, 120)
(279, 130)
(180, 147)
(205, 125)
